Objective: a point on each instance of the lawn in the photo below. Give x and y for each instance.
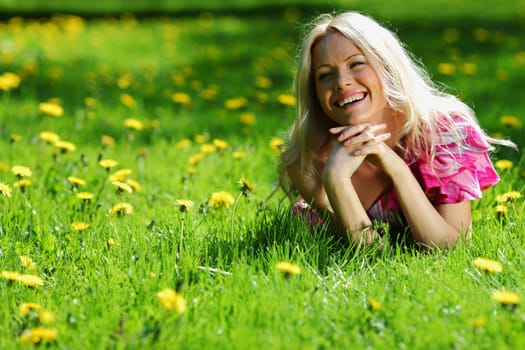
(138, 163)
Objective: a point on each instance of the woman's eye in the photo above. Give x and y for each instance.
(322, 76)
(356, 64)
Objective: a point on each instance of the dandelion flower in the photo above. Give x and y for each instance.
(107, 141)
(30, 280)
(49, 137)
(5, 190)
(247, 119)
(478, 322)
(235, 103)
(90, 102)
(287, 100)
(51, 109)
(508, 197)
(111, 242)
(512, 121)
(276, 144)
(85, 195)
(181, 98)
(374, 304)
(108, 163)
(208, 148)
(80, 226)
(120, 175)
(22, 184)
(196, 158)
(447, 68)
(503, 164)
(184, 204)
(127, 100)
(201, 138)
(245, 186)
(65, 146)
(488, 265)
(46, 317)
(21, 171)
(220, 144)
(183, 144)
(38, 334)
(134, 185)
(239, 154)
(122, 187)
(15, 138)
(121, 209)
(27, 308)
(288, 268)
(27, 262)
(506, 297)
(9, 81)
(133, 124)
(221, 198)
(501, 210)
(75, 181)
(172, 300)
(263, 82)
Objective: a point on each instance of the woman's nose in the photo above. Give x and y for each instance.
(344, 79)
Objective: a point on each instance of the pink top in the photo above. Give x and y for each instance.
(462, 169)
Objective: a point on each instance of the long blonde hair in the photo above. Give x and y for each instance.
(407, 86)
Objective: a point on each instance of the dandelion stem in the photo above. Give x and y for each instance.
(181, 237)
(233, 216)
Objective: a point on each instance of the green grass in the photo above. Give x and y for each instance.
(104, 296)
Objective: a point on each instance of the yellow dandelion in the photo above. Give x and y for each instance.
(27, 262)
(120, 175)
(15, 138)
(85, 195)
(26, 308)
(196, 158)
(22, 184)
(221, 198)
(38, 334)
(134, 185)
(172, 300)
(122, 187)
(184, 204)
(478, 322)
(51, 109)
(125, 81)
(46, 317)
(481, 34)
(9, 81)
(501, 210)
(108, 163)
(5, 189)
(276, 144)
(76, 181)
(263, 82)
(512, 121)
(90, 102)
(288, 268)
(21, 171)
(374, 304)
(30, 280)
(208, 148)
(111, 242)
(133, 124)
(508, 197)
(80, 225)
(210, 92)
(201, 138)
(447, 68)
(107, 141)
(65, 146)
(239, 154)
(247, 119)
(506, 297)
(220, 144)
(245, 186)
(451, 35)
(235, 103)
(287, 100)
(503, 164)
(121, 209)
(469, 68)
(488, 265)
(49, 137)
(127, 100)
(10, 275)
(183, 144)
(181, 98)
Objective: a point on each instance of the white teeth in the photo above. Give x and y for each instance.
(351, 99)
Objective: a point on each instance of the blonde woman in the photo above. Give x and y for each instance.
(375, 141)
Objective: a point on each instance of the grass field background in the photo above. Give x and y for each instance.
(189, 98)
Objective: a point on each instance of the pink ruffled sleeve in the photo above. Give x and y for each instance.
(461, 168)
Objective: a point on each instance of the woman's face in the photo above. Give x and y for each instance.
(347, 86)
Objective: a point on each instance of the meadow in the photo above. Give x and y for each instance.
(139, 205)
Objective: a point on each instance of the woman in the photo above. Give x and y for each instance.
(375, 140)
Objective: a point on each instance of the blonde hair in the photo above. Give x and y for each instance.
(407, 86)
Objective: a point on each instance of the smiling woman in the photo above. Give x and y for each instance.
(375, 141)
